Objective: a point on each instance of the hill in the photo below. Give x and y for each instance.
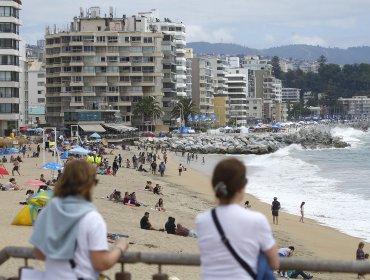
(301, 52)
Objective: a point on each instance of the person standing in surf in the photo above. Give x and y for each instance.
(302, 212)
(275, 207)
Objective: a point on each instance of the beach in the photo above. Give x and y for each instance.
(184, 197)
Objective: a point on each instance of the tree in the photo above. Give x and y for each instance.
(276, 69)
(148, 108)
(183, 108)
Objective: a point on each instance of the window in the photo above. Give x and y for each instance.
(39, 92)
(148, 40)
(9, 108)
(9, 92)
(40, 84)
(89, 49)
(41, 75)
(9, 76)
(9, 60)
(136, 39)
(40, 100)
(9, 44)
(112, 39)
(100, 39)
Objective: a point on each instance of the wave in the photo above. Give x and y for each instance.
(293, 180)
(349, 134)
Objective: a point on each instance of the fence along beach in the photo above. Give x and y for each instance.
(184, 198)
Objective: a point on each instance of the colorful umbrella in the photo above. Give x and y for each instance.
(52, 166)
(35, 183)
(3, 171)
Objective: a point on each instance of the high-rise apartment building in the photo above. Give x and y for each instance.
(202, 84)
(174, 61)
(97, 69)
(238, 94)
(10, 114)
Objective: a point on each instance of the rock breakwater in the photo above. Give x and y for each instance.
(252, 143)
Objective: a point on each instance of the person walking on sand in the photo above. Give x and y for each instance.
(302, 212)
(15, 167)
(203, 161)
(360, 256)
(248, 232)
(180, 169)
(275, 207)
(69, 233)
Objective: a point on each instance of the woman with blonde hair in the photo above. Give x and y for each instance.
(70, 234)
(230, 237)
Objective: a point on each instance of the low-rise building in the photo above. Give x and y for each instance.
(356, 107)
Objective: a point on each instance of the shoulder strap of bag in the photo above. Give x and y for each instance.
(229, 247)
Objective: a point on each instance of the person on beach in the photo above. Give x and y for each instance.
(15, 167)
(153, 166)
(11, 185)
(275, 207)
(248, 232)
(247, 205)
(160, 205)
(144, 222)
(162, 168)
(69, 233)
(203, 161)
(180, 169)
(142, 169)
(302, 212)
(360, 256)
(170, 226)
(148, 186)
(157, 190)
(285, 253)
(42, 178)
(295, 273)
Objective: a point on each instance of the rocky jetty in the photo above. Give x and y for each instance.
(252, 143)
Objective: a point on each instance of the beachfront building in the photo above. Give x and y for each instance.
(99, 67)
(357, 107)
(35, 89)
(10, 93)
(238, 94)
(290, 95)
(174, 62)
(188, 55)
(220, 69)
(221, 108)
(202, 85)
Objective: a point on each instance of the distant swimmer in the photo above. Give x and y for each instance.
(275, 207)
(302, 212)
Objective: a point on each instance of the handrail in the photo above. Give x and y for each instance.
(296, 263)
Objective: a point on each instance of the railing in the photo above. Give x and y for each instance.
(161, 259)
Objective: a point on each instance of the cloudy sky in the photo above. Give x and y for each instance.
(252, 23)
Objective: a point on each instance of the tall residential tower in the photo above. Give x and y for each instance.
(10, 117)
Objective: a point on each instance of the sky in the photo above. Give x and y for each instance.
(251, 23)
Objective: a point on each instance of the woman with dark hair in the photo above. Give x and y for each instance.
(248, 232)
(70, 234)
(302, 211)
(160, 205)
(170, 226)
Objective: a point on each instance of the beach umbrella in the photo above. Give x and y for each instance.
(64, 155)
(79, 151)
(35, 183)
(3, 171)
(95, 135)
(52, 166)
(39, 129)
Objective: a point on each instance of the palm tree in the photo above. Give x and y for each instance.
(183, 108)
(148, 108)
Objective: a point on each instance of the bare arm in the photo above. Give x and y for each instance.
(102, 260)
(38, 254)
(273, 258)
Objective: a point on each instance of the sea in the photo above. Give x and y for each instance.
(334, 183)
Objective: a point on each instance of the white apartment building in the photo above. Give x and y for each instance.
(220, 69)
(100, 67)
(238, 94)
(234, 61)
(35, 89)
(188, 55)
(290, 95)
(177, 31)
(10, 96)
(272, 88)
(356, 107)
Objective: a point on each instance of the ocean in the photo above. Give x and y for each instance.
(334, 183)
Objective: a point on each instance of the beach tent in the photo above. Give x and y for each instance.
(95, 135)
(28, 215)
(79, 151)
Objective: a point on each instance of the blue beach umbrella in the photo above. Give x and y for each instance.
(52, 166)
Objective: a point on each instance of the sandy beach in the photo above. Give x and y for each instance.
(184, 197)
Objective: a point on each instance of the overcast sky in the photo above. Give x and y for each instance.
(252, 23)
